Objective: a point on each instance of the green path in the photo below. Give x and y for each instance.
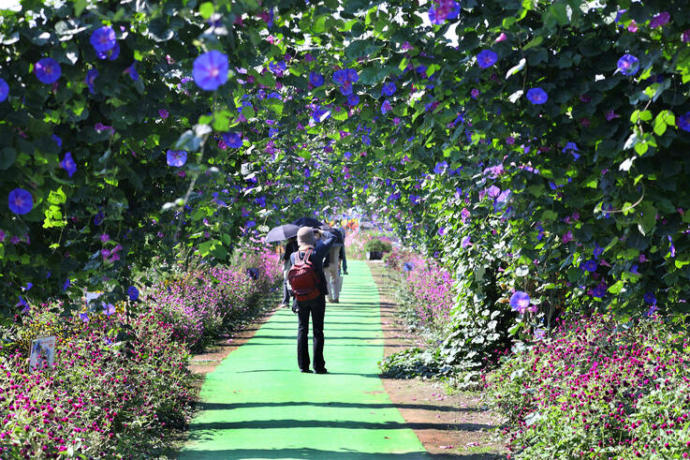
(257, 404)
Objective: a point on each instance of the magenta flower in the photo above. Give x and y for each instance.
(4, 90)
(47, 70)
(660, 20)
(20, 201)
(103, 39)
(210, 70)
(567, 237)
(537, 96)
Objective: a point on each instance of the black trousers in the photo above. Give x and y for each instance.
(317, 309)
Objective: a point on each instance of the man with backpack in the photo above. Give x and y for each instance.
(308, 284)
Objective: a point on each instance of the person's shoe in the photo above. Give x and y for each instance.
(321, 371)
(336, 301)
(306, 371)
(282, 305)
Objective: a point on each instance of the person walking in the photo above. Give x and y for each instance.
(308, 285)
(336, 255)
(290, 247)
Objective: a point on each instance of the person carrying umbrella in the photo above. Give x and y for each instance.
(308, 284)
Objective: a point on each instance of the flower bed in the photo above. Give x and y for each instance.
(118, 382)
(598, 389)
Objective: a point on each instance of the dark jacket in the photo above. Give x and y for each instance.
(317, 255)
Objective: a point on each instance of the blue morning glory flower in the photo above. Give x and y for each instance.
(340, 76)
(316, 79)
(84, 317)
(57, 139)
(537, 96)
(441, 167)
(68, 164)
(388, 89)
(47, 71)
(649, 298)
(307, 173)
(628, 65)
(232, 139)
(599, 291)
(352, 76)
(91, 76)
(250, 224)
(519, 301)
(684, 122)
(111, 54)
(66, 284)
(589, 266)
(176, 158)
(133, 293)
(20, 201)
(277, 67)
(353, 100)
(103, 39)
(321, 114)
(346, 88)
(132, 72)
(486, 59)
(4, 90)
(347, 155)
(366, 140)
(210, 70)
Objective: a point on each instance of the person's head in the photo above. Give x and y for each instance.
(305, 238)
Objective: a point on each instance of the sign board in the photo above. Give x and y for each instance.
(42, 352)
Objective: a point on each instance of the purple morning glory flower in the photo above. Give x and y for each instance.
(315, 79)
(388, 89)
(108, 309)
(466, 242)
(47, 71)
(649, 299)
(347, 155)
(233, 140)
(353, 100)
(537, 96)
(84, 317)
(366, 139)
(493, 192)
(133, 293)
(66, 284)
(519, 301)
(660, 20)
(307, 173)
(442, 231)
(321, 114)
(589, 266)
(628, 65)
(671, 247)
(4, 90)
(684, 122)
(210, 70)
(68, 164)
(103, 39)
(98, 218)
(176, 158)
(20, 201)
(91, 76)
(386, 107)
(486, 59)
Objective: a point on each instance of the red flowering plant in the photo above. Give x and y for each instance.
(597, 388)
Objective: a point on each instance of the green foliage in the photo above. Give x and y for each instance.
(377, 245)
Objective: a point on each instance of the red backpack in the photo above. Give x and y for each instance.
(303, 278)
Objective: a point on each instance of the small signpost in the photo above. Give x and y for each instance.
(42, 353)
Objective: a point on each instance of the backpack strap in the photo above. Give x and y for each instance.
(303, 259)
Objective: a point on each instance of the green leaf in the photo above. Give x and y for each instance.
(206, 10)
(536, 41)
(57, 196)
(7, 157)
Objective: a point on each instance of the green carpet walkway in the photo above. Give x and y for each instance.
(257, 405)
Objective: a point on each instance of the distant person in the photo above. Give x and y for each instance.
(290, 247)
(308, 285)
(331, 266)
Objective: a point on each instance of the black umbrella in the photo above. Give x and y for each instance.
(308, 222)
(282, 233)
